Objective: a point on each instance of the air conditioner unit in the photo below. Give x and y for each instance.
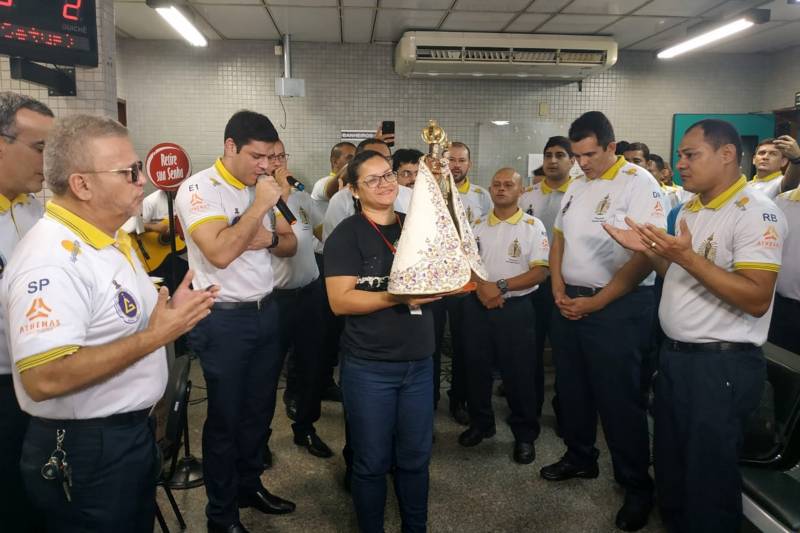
(426, 54)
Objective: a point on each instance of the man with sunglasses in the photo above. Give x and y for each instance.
(24, 126)
(87, 330)
(231, 233)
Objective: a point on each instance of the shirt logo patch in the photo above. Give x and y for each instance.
(741, 203)
(566, 206)
(602, 206)
(658, 211)
(469, 213)
(708, 248)
(629, 172)
(197, 203)
(515, 250)
(126, 306)
(303, 216)
(74, 249)
(770, 238)
(39, 320)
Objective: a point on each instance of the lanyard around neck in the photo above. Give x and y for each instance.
(385, 240)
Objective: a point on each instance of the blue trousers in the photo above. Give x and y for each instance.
(241, 361)
(702, 401)
(389, 409)
(598, 372)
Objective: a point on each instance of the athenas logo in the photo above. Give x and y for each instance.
(39, 320)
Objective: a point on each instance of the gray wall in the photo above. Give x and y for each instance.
(185, 95)
(783, 80)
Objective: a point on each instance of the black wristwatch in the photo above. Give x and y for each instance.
(795, 161)
(274, 242)
(502, 285)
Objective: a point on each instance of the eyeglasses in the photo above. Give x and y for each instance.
(277, 157)
(408, 173)
(135, 170)
(371, 182)
(37, 147)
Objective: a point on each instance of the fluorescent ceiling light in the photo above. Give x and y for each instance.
(706, 38)
(501, 122)
(182, 25)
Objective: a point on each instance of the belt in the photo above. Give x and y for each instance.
(574, 290)
(293, 292)
(6, 380)
(677, 346)
(231, 306)
(121, 419)
(787, 300)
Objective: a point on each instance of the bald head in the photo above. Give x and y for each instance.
(506, 187)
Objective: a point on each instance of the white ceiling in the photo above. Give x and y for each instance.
(635, 24)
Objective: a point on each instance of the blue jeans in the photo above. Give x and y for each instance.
(389, 409)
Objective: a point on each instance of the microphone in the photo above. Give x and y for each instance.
(286, 212)
(294, 183)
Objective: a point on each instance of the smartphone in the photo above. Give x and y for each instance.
(387, 127)
(784, 128)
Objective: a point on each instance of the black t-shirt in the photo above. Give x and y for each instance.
(354, 248)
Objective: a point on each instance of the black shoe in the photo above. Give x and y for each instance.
(291, 408)
(267, 503)
(563, 469)
(332, 393)
(524, 453)
(232, 528)
(473, 436)
(460, 413)
(632, 516)
(267, 457)
(314, 445)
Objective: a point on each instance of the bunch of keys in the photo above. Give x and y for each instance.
(57, 466)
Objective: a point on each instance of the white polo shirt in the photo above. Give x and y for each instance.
(17, 216)
(341, 206)
(741, 229)
(541, 201)
(477, 202)
(591, 257)
(215, 194)
(318, 191)
(300, 269)
(512, 246)
(789, 277)
(769, 185)
(68, 286)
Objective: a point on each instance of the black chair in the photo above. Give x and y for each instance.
(771, 469)
(176, 400)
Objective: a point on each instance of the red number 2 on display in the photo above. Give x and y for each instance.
(69, 12)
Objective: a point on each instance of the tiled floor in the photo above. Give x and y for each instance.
(472, 490)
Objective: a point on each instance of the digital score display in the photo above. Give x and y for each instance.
(63, 32)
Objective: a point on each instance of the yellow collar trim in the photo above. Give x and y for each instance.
(90, 234)
(513, 219)
(547, 190)
(6, 204)
(770, 177)
(694, 205)
(611, 173)
(464, 187)
(227, 176)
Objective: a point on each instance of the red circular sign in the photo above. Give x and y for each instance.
(167, 166)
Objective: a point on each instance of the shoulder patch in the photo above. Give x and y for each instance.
(529, 188)
(630, 172)
(478, 190)
(476, 221)
(530, 221)
(742, 202)
(214, 182)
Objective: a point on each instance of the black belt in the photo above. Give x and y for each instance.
(293, 292)
(6, 380)
(231, 306)
(677, 346)
(790, 301)
(121, 419)
(574, 291)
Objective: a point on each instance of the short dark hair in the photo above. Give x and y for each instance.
(592, 123)
(539, 171)
(561, 141)
(639, 147)
(336, 151)
(768, 140)
(459, 144)
(658, 160)
(622, 147)
(354, 166)
(366, 142)
(718, 133)
(11, 103)
(247, 126)
(405, 155)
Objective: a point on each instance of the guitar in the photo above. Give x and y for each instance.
(153, 249)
